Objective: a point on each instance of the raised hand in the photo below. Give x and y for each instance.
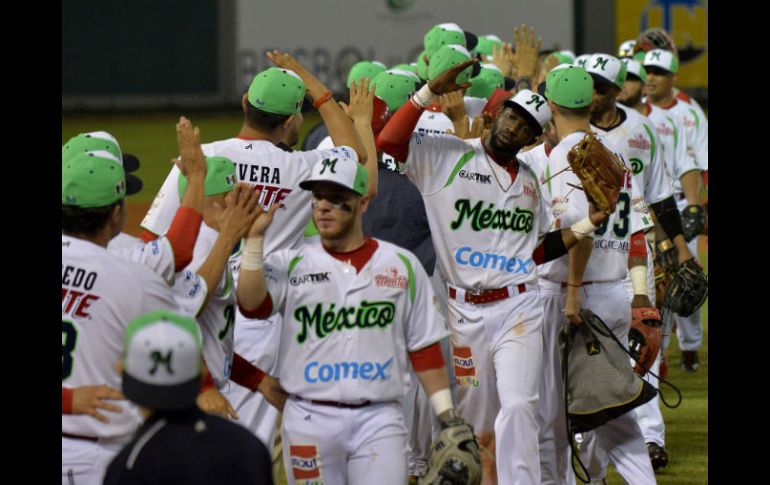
(446, 82)
(524, 57)
(191, 159)
(453, 105)
(361, 101)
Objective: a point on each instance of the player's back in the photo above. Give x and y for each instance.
(101, 293)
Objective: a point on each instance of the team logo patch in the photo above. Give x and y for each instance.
(465, 371)
(664, 130)
(639, 142)
(304, 464)
(530, 191)
(391, 279)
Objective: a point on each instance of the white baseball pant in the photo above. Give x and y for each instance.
(688, 329)
(85, 462)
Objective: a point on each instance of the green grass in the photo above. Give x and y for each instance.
(151, 137)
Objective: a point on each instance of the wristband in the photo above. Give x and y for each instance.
(66, 400)
(441, 401)
(639, 280)
(665, 245)
(251, 259)
(322, 99)
(582, 228)
(423, 97)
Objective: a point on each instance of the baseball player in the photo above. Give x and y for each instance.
(100, 294)
(661, 67)
(353, 308)
(593, 275)
(271, 115)
(488, 212)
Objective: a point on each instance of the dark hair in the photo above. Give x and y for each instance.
(88, 221)
(262, 120)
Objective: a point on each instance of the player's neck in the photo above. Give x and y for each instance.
(608, 119)
(504, 159)
(664, 101)
(346, 243)
(249, 133)
(567, 126)
(101, 239)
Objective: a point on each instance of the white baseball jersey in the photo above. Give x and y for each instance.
(101, 294)
(345, 336)
(636, 139)
(122, 241)
(609, 258)
(537, 159)
(386, 158)
(276, 172)
(702, 124)
(474, 106)
(488, 225)
(693, 136)
(433, 123)
(217, 318)
(158, 255)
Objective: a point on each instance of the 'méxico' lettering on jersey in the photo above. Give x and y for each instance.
(75, 300)
(369, 314)
(518, 220)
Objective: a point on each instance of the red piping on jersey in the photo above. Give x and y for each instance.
(182, 235)
(147, 236)
(548, 148)
(394, 138)
(247, 138)
(357, 257)
(264, 310)
(428, 358)
(684, 97)
(638, 246)
(66, 400)
(245, 373)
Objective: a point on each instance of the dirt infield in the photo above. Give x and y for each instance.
(136, 212)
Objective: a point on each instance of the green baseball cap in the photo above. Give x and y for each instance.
(635, 70)
(92, 179)
(277, 91)
(665, 60)
(570, 87)
(422, 66)
(365, 69)
(406, 67)
(448, 57)
(441, 35)
(488, 79)
(220, 177)
(395, 87)
(564, 57)
(486, 44)
(341, 168)
(162, 360)
(89, 142)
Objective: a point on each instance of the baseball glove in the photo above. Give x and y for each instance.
(454, 455)
(662, 280)
(599, 170)
(693, 221)
(644, 338)
(688, 289)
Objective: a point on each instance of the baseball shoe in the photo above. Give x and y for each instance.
(690, 361)
(658, 455)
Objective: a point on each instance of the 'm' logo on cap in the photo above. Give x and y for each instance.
(158, 358)
(330, 164)
(600, 61)
(537, 100)
(656, 56)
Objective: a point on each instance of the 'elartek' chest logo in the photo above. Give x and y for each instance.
(310, 278)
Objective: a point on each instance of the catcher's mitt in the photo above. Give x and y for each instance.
(693, 221)
(599, 170)
(688, 289)
(454, 455)
(667, 256)
(644, 338)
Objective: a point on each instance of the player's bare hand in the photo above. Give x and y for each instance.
(641, 301)
(453, 105)
(525, 55)
(467, 129)
(270, 387)
(597, 216)
(212, 401)
(573, 305)
(446, 82)
(361, 102)
(263, 221)
(191, 161)
(90, 399)
(287, 61)
(502, 57)
(242, 208)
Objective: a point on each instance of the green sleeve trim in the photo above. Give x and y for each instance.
(410, 271)
(459, 165)
(229, 283)
(697, 118)
(548, 176)
(652, 141)
(311, 230)
(294, 262)
(676, 132)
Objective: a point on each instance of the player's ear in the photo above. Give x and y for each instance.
(244, 100)
(288, 121)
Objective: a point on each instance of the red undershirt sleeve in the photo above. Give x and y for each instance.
(428, 358)
(245, 373)
(182, 235)
(147, 236)
(638, 245)
(394, 138)
(264, 310)
(66, 400)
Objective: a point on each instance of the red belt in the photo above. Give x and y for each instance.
(341, 404)
(78, 437)
(487, 296)
(585, 283)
